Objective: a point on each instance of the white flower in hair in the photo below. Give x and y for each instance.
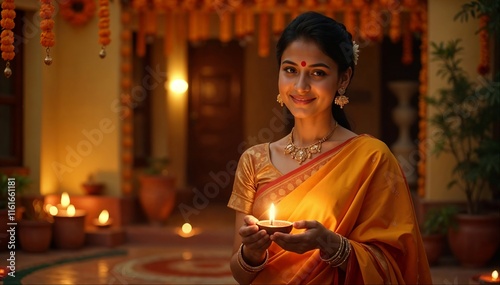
(355, 52)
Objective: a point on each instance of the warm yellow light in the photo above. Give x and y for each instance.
(103, 217)
(53, 210)
(187, 255)
(71, 211)
(65, 200)
(272, 213)
(178, 86)
(47, 207)
(494, 275)
(187, 228)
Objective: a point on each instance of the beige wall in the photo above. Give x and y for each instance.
(71, 129)
(443, 28)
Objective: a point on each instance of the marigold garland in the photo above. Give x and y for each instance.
(278, 22)
(193, 26)
(350, 21)
(225, 27)
(104, 31)
(77, 12)
(484, 48)
(239, 24)
(7, 36)
(395, 27)
(415, 22)
(170, 33)
(293, 6)
(407, 57)
(47, 37)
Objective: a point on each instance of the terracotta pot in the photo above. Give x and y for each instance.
(434, 247)
(35, 236)
(475, 240)
(69, 232)
(157, 197)
(93, 189)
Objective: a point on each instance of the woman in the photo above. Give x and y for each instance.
(353, 217)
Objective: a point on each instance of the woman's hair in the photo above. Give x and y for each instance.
(331, 37)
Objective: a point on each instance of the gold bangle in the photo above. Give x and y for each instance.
(346, 256)
(337, 254)
(248, 268)
(341, 255)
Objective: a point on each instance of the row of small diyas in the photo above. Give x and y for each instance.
(66, 209)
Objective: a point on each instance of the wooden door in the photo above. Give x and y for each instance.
(215, 118)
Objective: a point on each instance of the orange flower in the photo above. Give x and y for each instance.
(47, 37)
(263, 45)
(7, 36)
(77, 12)
(350, 21)
(407, 48)
(104, 31)
(395, 26)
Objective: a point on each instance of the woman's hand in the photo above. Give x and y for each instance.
(316, 236)
(255, 242)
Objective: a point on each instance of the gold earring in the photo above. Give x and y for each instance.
(341, 99)
(279, 100)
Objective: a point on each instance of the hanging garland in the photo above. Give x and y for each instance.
(77, 12)
(7, 36)
(104, 31)
(484, 47)
(47, 37)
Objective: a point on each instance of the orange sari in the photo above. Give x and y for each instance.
(356, 190)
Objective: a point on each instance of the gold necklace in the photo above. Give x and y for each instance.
(300, 154)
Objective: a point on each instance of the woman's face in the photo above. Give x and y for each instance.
(308, 80)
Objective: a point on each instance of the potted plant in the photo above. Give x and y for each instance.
(35, 229)
(434, 229)
(465, 117)
(157, 191)
(91, 187)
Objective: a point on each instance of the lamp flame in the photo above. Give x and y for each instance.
(178, 86)
(65, 201)
(53, 210)
(71, 210)
(47, 207)
(103, 217)
(494, 275)
(186, 228)
(272, 213)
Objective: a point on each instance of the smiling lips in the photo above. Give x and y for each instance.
(302, 101)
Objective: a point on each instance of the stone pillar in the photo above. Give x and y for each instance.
(404, 115)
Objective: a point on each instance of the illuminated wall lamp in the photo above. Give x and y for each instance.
(178, 86)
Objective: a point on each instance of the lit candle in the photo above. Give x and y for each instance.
(65, 201)
(272, 225)
(3, 272)
(187, 231)
(272, 213)
(490, 279)
(53, 210)
(71, 211)
(103, 221)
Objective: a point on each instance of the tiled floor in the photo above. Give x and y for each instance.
(158, 255)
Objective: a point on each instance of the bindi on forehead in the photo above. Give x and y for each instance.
(303, 63)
